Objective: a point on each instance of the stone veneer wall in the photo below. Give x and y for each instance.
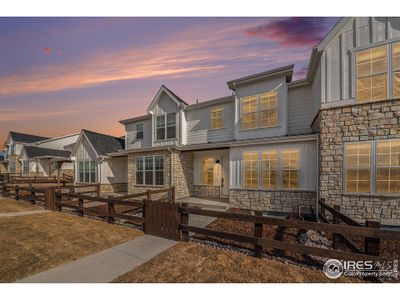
(182, 172)
(206, 191)
(3, 168)
(361, 122)
(282, 201)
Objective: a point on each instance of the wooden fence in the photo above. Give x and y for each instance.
(373, 235)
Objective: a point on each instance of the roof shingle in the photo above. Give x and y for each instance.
(33, 152)
(26, 138)
(103, 143)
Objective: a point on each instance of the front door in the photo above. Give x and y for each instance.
(225, 176)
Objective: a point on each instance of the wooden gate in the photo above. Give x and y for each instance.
(162, 219)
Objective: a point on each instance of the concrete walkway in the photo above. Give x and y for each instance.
(24, 213)
(105, 265)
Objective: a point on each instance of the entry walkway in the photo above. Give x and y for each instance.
(105, 265)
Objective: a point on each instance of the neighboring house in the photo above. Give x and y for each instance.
(48, 157)
(93, 165)
(278, 144)
(3, 163)
(14, 143)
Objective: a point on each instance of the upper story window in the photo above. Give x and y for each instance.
(12, 149)
(166, 126)
(217, 119)
(259, 111)
(139, 131)
(372, 68)
(396, 70)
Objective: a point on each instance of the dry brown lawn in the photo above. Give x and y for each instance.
(35, 243)
(11, 205)
(189, 262)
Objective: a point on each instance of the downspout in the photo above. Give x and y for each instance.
(171, 168)
(99, 170)
(318, 177)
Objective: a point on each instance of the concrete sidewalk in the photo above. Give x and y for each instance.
(105, 265)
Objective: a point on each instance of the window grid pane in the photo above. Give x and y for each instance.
(249, 109)
(396, 70)
(388, 167)
(217, 118)
(139, 131)
(268, 109)
(358, 168)
(250, 160)
(208, 171)
(269, 168)
(290, 169)
(372, 74)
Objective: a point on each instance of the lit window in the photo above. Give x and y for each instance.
(396, 70)
(269, 169)
(217, 120)
(250, 161)
(268, 109)
(358, 167)
(208, 171)
(290, 169)
(139, 131)
(249, 110)
(388, 167)
(372, 74)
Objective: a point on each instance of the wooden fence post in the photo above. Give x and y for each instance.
(80, 207)
(184, 221)
(33, 201)
(49, 199)
(336, 239)
(372, 245)
(58, 202)
(98, 190)
(17, 192)
(149, 195)
(258, 229)
(144, 208)
(110, 210)
(173, 194)
(323, 208)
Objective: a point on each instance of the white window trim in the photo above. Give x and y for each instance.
(141, 123)
(154, 170)
(96, 170)
(166, 126)
(373, 175)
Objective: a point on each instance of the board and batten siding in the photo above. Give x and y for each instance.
(300, 110)
(114, 170)
(199, 124)
(337, 75)
(307, 162)
(131, 141)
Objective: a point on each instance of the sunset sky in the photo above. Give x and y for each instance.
(59, 75)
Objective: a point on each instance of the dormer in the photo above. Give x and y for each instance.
(261, 104)
(168, 119)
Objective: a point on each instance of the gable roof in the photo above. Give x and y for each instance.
(286, 71)
(179, 101)
(26, 138)
(34, 152)
(103, 143)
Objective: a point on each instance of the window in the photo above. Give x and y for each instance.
(208, 171)
(268, 109)
(290, 169)
(249, 112)
(388, 167)
(396, 70)
(372, 74)
(150, 170)
(87, 171)
(139, 131)
(217, 119)
(166, 126)
(12, 149)
(25, 167)
(171, 126)
(160, 120)
(269, 170)
(11, 166)
(250, 160)
(358, 168)
(139, 170)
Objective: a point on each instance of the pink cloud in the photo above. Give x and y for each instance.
(47, 50)
(292, 31)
